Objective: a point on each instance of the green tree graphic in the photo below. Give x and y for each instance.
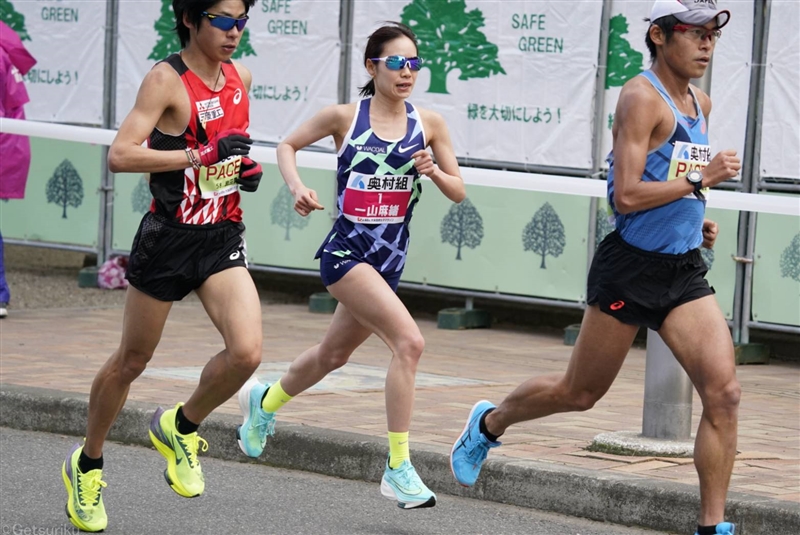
(462, 227)
(282, 212)
(708, 257)
(14, 19)
(624, 62)
(790, 260)
(168, 42)
(602, 226)
(244, 48)
(449, 39)
(65, 187)
(141, 196)
(544, 234)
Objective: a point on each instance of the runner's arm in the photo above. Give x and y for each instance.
(635, 123)
(710, 231)
(245, 75)
(445, 173)
(127, 155)
(330, 121)
(704, 101)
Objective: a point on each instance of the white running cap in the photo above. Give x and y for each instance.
(694, 12)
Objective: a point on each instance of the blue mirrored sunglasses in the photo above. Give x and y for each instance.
(398, 63)
(224, 23)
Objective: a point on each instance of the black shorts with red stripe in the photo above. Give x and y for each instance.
(640, 287)
(168, 259)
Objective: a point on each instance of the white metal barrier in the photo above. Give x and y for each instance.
(726, 200)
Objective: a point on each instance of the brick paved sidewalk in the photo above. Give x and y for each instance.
(64, 348)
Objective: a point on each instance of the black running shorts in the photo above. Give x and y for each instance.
(639, 287)
(168, 260)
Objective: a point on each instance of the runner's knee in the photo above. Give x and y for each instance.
(411, 347)
(335, 358)
(132, 362)
(582, 400)
(722, 401)
(245, 358)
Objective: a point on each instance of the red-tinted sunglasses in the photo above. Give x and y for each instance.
(697, 33)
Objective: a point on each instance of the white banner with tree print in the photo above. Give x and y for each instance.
(67, 39)
(780, 138)
(514, 80)
(290, 46)
(730, 68)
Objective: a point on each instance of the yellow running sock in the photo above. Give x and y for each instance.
(398, 449)
(275, 398)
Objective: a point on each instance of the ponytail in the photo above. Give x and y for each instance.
(367, 90)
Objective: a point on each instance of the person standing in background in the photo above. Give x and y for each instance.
(15, 62)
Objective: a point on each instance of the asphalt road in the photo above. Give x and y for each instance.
(239, 498)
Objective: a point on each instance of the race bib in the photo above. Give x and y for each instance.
(376, 199)
(209, 110)
(219, 179)
(688, 157)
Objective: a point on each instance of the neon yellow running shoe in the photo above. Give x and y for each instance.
(183, 472)
(84, 494)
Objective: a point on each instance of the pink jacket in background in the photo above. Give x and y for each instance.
(15, 162)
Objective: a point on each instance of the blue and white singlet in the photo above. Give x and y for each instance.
(673, 228)
(377, 189)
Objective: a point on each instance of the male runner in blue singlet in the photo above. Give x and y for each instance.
(649, 272)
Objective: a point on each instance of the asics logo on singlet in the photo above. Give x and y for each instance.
(372, 149)
(234, 255)
(401, 149)
(237, 96)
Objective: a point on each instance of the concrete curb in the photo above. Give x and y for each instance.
(620, 499)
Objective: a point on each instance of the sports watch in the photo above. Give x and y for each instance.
(695, 178)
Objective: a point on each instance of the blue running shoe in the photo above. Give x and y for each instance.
(404, 485)
(257, 424)
(471, 448)
(725, 528)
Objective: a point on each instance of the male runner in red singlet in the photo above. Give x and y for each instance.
(192, 110)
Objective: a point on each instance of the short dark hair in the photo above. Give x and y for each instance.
(195, 9)
(388, 32)
(667, 25)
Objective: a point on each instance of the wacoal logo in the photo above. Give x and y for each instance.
(372, 149)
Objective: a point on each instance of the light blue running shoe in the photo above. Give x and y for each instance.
(472, 447)
(257, 424)
(725, 528)
(404, 485)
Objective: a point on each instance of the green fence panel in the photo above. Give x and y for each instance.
(776, 270)
(722, 267)
(276, 234)
(62, 202)
(501, 240)
(131, 201)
